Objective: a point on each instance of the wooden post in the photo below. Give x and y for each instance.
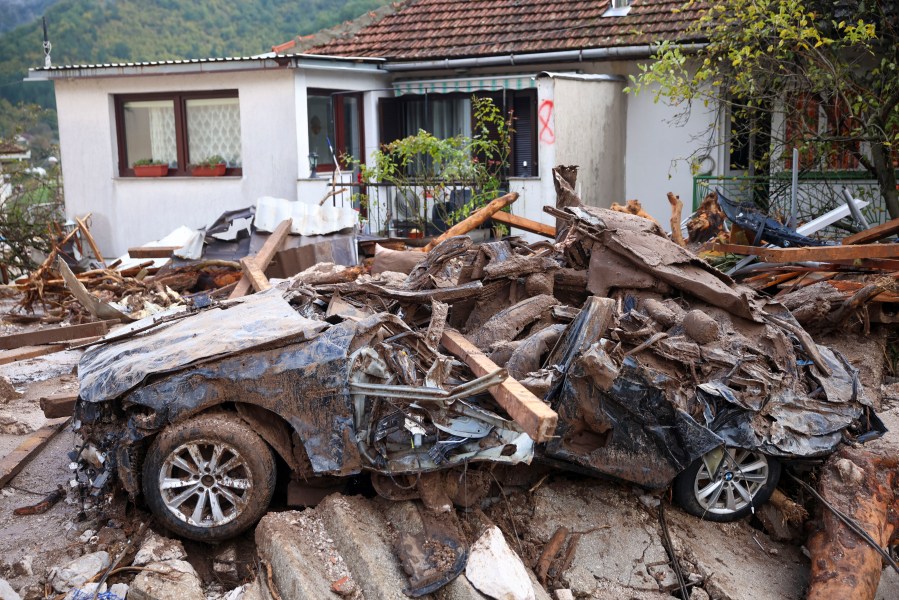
(271, 246)
(475, 219)
(530, 413)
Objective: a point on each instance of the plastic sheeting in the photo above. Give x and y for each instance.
(308, 218)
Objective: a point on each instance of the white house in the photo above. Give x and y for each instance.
(561, 65)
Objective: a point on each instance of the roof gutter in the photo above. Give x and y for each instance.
(612, 53)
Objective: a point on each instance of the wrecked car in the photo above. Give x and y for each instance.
(657, 369)
(192, 411)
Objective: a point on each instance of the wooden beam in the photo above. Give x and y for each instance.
(474, 220)
(152, 251)
(812, 253)
(59, 405)
(15, 461)
(252, 272)
(26, 352)
(82, 223)
(525, 224)
(55, 334)
(530, 413)
(265, 255)
(872, 235)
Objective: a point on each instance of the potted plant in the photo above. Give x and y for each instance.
(213, 166)
(150, 167)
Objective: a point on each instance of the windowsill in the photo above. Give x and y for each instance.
(531, 178)
(178, 178)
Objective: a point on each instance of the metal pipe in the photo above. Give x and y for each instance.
(620, 52)
(794, 190)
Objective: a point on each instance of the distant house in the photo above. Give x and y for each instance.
(561, 65)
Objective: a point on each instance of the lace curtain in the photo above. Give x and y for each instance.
(213, 127)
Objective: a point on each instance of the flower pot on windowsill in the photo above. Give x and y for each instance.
(151, 170)
(208, 171)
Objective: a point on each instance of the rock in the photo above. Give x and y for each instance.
(119, 590)
(494, 569)
(23, 566)
(12, 426)
(76, 573)
(7, 391)
(86, 536)
(177, 580)
(344, 586)
(157, 548)
(850, 472)
(6, 591)
(563, 594)
(697, 593)
(701, 327)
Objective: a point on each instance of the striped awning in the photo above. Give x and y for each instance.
(466, 84)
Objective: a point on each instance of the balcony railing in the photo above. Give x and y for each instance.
(817, 194)
(410, 211)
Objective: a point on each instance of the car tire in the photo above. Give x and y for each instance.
(209, 478)
(744, 481)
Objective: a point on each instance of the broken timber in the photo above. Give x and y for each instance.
(525, 224)
(817, 253)
(871, 235)
(152, 251)
(474, 220)
(262, 258)
(16, 460)
(536, 418)
(58, 405)
(55, 334)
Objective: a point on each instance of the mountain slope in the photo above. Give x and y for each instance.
(17, 12)
(101, 31)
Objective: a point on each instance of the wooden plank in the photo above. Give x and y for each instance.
(58, 405)
(55, 334)
(813, 253)
(265, 255)
(90, 240)
(525, 224)
(530, 413)
(26, 352)
(16, 460)
(152, 251)
(872, 235)
(252, 272)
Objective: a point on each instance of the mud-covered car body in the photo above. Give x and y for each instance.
(322, 395)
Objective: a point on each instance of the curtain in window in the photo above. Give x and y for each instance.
(213, 127)
(162, 134)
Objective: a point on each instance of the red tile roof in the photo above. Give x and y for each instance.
(427, 29)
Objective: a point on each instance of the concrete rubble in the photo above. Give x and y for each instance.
(490, 387)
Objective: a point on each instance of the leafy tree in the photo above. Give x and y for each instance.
(801, 59)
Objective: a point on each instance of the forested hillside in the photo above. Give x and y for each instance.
(100, 31)
(18, 12)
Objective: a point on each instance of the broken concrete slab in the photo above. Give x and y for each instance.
(359, 531)
(157, 548)
(6, 591)
(79, 571)
(299, 552)
(736, 561)
(166, 580)
(495, 569)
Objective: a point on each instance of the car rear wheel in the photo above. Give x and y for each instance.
(209, 478)
(727, 483)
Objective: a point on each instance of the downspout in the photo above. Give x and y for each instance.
(620, 52)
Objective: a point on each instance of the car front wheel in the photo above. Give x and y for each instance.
(726, 484)
(209, 478)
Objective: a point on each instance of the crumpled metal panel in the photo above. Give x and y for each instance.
(305, 383)
(110, 369)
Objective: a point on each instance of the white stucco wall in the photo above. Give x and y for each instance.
(659, 146)
(132, 211)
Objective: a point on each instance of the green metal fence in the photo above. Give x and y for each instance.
(818, 193)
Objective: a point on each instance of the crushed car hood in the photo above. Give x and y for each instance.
(164, 344)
